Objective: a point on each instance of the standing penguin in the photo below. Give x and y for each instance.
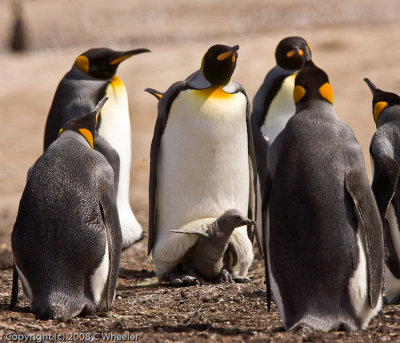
(92, 77)
(385, 156)
(324, 243)
(202, 163)
(273, 106)
(66, 240)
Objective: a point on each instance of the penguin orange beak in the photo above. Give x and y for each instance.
(126, 54)
(228, 53)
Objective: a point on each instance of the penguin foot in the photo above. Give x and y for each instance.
(225, 277)
(194, 273)
(241, 279)
(181, 280)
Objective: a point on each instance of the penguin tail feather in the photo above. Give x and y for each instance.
(61, 307)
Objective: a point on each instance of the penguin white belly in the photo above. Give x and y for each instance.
(99, 279)
(115, 128)
(281, 109)
(203, 164)
(392, 284)
(358, 286)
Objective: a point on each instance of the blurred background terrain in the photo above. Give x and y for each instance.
(350, 40)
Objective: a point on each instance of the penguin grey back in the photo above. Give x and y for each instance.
(385, 152)
(67, 224)
(324, 222)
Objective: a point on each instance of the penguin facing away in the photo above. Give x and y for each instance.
(201, 164)
(273, 106)
(66, 239)
(385, 159)
(324, 241)
(92, 77)
(205, 259)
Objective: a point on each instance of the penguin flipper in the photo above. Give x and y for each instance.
(163, 109)
(384, 185)
(265, 220)
(110, 154)
(198, 233)
(109, 211)
(367, 213)
(14, 292)
(252, 207)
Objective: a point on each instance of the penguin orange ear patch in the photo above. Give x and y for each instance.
(82, 62)
(291, 53)
(298, 93)
(88, 136)
(378, 108)
(224, 55)
(61, 130)
(326, 92)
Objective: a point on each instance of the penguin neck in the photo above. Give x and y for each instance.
(76, 73)
(390, 114)
(319, 106)
(74, 135)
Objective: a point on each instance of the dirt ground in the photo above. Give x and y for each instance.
(350, 40)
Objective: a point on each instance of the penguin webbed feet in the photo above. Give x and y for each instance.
(181, 279)
(226, 277)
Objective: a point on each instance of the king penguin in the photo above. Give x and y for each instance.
(385, 158)
(202, 163)
(66, 239)
(324, 241)
(273, 106)
(92, 77)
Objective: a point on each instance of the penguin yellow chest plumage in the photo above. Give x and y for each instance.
(203, 161)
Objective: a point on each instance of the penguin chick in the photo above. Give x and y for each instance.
(385, 152)
(324, 240)
(204, 260)
(92, 77)
(201, 163)
(66, 240)
(273, 106)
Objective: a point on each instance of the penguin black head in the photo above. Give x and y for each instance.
(312, 83)
(102, 63)
(292, 52)
(85, 125)
(381, 99)
(218, 64)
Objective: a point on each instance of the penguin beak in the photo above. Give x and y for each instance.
(228, 53)
(371, 85)
(248, 222)
(126, 54)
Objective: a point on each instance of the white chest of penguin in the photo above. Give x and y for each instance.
(203, 163)
(281, 109)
